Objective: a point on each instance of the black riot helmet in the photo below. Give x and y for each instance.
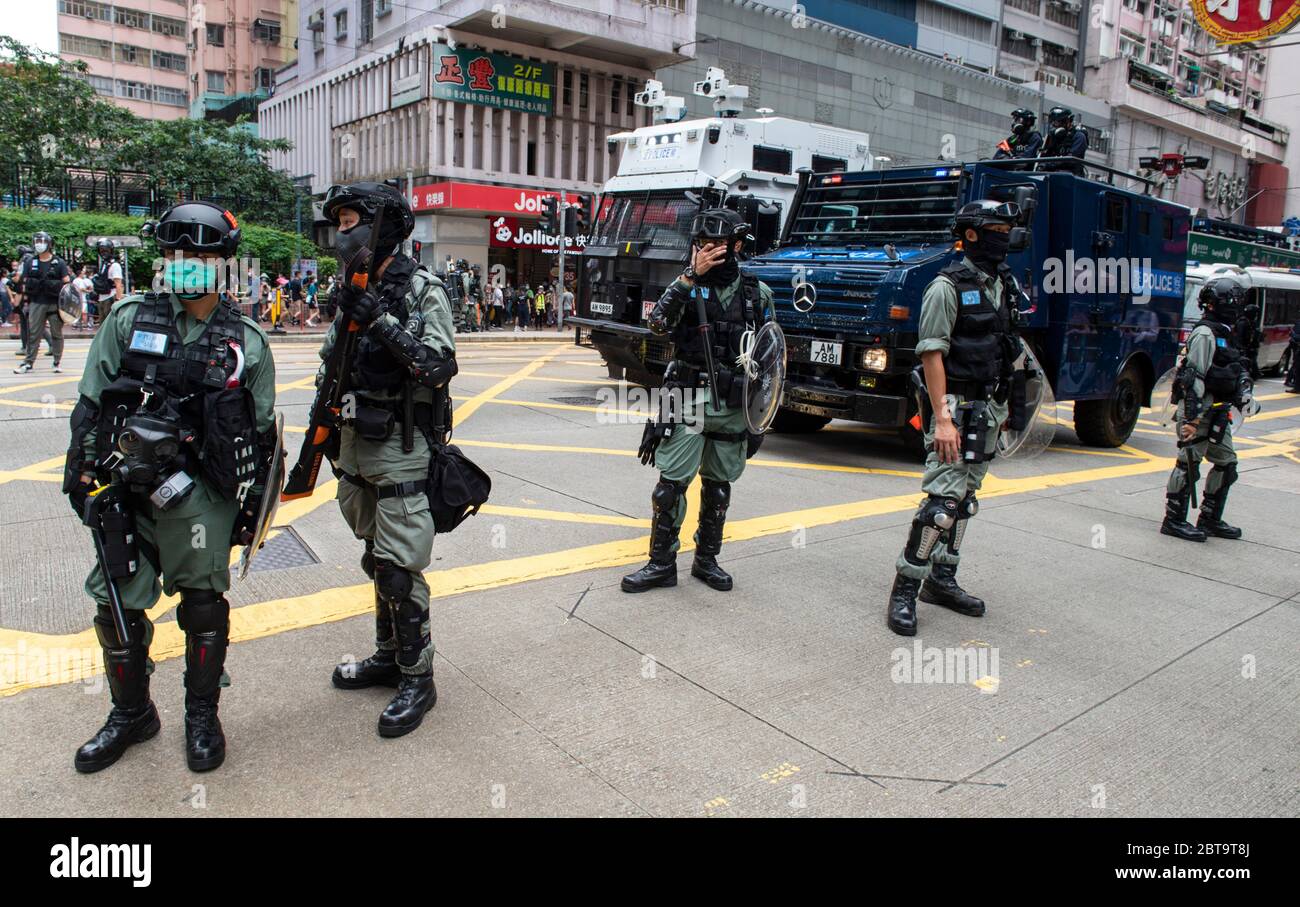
(978, 215)
(718, 225)
(195, 226)
(1222, 299)
(42, 237)
(1023, 120)
(1060, 117)
(105, 248)
(366, 199)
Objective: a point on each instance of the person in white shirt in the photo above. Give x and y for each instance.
(498, 307)
(85, 288)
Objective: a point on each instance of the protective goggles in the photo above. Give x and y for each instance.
(197, 236)
(1008, 210)
(714, 226)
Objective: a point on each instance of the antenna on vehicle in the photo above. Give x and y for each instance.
(667, 108)
(728, 99)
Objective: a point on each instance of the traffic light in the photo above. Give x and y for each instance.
(582, 216)
(551, 215)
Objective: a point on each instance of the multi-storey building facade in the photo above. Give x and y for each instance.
(135, 51)
(479, 121)
(235, 48)
(1172, 89)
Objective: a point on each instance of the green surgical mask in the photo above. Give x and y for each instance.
(190, 278)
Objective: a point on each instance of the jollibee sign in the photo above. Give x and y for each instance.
(510, 233)
(477, 197)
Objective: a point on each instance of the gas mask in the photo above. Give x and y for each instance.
(149, 446)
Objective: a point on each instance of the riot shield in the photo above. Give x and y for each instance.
(270, 500)
(1040, 420)
(764, 377)
(1163, 406)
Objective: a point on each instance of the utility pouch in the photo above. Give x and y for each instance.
(121, 551)
(373, 423)
(229, 455)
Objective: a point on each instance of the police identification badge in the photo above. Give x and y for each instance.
(152, 342)
(970, 297)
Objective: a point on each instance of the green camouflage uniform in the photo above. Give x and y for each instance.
(950, 480)
(396, 529)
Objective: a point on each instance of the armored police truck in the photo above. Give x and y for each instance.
(1102, 277)
(640, 240)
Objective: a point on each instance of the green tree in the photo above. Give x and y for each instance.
(51, 119)
(50, 116)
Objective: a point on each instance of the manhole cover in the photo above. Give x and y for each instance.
(286, 549)
(578, 401)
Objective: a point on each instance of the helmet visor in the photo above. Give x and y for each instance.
(197, 237)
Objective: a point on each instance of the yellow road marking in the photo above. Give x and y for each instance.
(34, 471)
(471, 406)
(26, 386)
(32, 404)
(1290, 434)
(564, 516)
(1266, 415)
(1092, 451)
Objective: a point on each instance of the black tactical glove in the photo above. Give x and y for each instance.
(78, 494)
(362, 306)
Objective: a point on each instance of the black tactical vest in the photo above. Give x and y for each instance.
(726, 327)
(978, 348)
(1227, 365)
(101, 282)
(42, 280)
(375, 367)
(188, 383)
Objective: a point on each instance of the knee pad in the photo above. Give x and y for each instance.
(664, 497)
(967, 507)
(203, 611)
(937, 512)
(933, 518)
(1227, 473)
(394, 583)
(107, 632)
(715, 495)
(368, 559)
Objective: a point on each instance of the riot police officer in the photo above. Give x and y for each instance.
(43, 276)
(1292, 379)
(1025, 141)
(405, 358)
(1212, 378)
(1064, 139)
(108, 280)
(175, 423)
(967, 346)
(717, 445)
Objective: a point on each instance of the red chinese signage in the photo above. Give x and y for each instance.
(475, 197)
(1236, 21)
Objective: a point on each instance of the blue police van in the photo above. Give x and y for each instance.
(1102, 274)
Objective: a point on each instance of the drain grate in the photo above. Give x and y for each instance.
(578, 401)
(285, 550)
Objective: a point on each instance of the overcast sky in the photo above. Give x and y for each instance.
(32, 22)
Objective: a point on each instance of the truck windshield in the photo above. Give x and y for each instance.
(660, 220)
(871, 213)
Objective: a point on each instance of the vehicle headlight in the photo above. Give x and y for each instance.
(875, 359)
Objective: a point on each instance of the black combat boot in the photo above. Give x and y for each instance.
(662, 569)
(204, 615)
(902, 605)
(715, 497)
(416, 693)
(1176, 503)
(1211, 519)
(940, 588)
(380, 669)
(133, 718)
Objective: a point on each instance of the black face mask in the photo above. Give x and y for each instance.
(1225, 313)
(991, 250)
(350, 248)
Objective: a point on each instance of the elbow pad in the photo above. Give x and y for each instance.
(429, 368)
(666, 309)
(85, 416)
